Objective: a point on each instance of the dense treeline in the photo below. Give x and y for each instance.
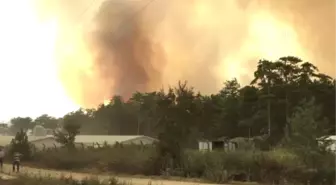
(260, 108)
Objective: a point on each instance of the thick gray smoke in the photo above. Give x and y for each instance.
(145, 50)
(203, 41)
(125, 51)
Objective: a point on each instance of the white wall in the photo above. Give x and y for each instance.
(229, 146)
(144, 140)
(86, 145)
(332, 146)
(48, 142)
(137, 141)
(205, 146)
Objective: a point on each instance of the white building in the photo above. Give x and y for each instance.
(95, 140)
(218, 144)
(49, 141)
(332, 140)
(38, 141)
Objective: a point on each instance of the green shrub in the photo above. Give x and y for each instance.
(131, 159)
(25, 180)
(65, 159)
(277, 165)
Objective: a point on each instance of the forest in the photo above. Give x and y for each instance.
(263, 107)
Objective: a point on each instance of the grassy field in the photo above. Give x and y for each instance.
(41, 180)
(141, 164)
(56, 174)
(26, 179)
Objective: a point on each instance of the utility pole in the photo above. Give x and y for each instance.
(268, 103)
(138, 132)
(269, 109)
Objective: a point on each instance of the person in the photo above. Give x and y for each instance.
(2, 156)
(16, 162)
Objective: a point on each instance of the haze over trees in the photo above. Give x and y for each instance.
(263, 107)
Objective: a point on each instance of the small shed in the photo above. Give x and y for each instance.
(222, 143)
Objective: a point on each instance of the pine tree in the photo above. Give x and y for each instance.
(21, 145)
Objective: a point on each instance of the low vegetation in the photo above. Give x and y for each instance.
(127, 160)
(277, 165)
(39, 180)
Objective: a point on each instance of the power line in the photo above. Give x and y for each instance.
(144, 7)
(134, 14)
(95, 1)
(86, 9)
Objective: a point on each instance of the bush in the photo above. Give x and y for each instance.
(279, 164)
(130, 159)
(25, 180)
(272, 166)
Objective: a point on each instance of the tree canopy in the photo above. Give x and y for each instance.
(263, 107)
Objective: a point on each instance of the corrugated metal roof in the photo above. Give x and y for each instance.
(86, 139)
(5, 140)
(333, 137)
(109, 139)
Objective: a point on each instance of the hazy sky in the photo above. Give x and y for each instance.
(57, 55)
(28, 75)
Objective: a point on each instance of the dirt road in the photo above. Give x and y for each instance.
(79, 176)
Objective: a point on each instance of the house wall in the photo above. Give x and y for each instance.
(87, 145)
(332, 146)
(230, 146)
(139, 140)
(208, 146)
(136, 141)
(205, 146)
(48, 142)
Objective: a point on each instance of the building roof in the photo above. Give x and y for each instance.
(330, 137)
(85, 139)
(223, 138)
(109, 139)
(5, 140)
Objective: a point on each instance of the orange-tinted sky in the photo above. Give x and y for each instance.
(57, 55)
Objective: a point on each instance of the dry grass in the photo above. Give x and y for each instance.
(79, 176)
(21, 179)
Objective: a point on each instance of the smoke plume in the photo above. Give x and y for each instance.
(314, 21)
(125, 51)
(204, 42)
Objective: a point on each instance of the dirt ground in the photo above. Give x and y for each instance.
(134, 181)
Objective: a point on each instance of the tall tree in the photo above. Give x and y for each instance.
(47, 121)
(67, 135)
(19, 123)
(265, 77)
(308, 125)
(227, 121)
(176, 112)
